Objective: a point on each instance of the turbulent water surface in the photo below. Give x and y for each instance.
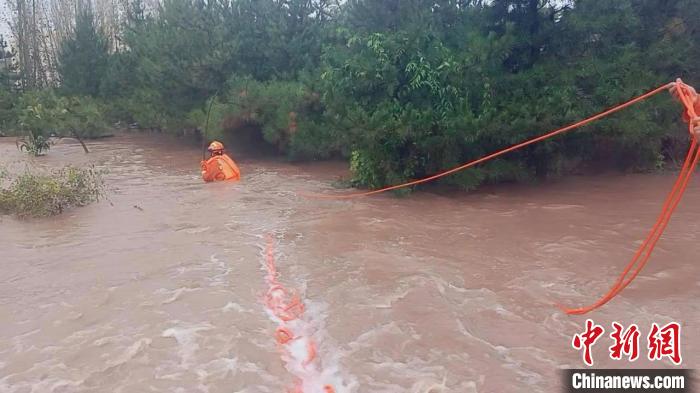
(159, 288)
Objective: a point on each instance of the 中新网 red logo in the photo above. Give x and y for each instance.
(662, 342)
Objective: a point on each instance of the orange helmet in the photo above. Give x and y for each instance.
(216, 146)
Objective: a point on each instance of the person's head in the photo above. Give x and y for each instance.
(216, 148)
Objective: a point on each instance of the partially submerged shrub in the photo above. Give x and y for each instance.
(46, 194)
(35, 145)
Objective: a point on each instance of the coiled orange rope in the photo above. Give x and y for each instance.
(644, 252)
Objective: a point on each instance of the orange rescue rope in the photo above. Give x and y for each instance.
(298, 350)
(641, 257)
(497, 153)
(644, 252)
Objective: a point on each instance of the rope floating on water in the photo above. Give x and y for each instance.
(298, 349)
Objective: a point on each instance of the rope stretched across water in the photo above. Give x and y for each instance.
(644, 252)
(497, 153)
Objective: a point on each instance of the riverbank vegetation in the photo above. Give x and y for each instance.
(398, 88)
(34, 193)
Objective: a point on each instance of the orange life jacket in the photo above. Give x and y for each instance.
(219, 168)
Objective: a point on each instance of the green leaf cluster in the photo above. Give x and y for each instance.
(38, 194)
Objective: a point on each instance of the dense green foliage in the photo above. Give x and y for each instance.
(416, 97)
(401, 88)
(46, 194)
(43, 114)
(83, 57)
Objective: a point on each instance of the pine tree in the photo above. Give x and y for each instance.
(83, 56)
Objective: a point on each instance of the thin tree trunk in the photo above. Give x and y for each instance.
(77, 136)
(36, 59)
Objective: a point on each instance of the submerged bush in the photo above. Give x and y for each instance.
(46, 194)
(35, 145)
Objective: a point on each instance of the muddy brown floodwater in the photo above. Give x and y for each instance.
(159, 289)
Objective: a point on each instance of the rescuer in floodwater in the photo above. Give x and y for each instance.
(219, 166)
(696, 103)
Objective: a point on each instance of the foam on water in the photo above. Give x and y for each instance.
(129, 353)
(175, 295)
(186, 338)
